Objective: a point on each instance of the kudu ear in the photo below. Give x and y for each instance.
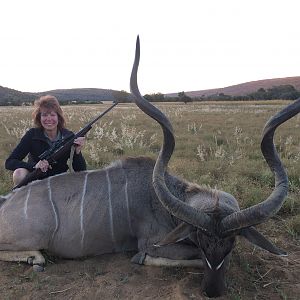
(256, 238)
(181, 232)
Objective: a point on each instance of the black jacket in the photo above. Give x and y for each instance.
(34, 143)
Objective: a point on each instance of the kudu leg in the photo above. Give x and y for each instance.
(34, 258)
(167, 262)
(145, 259)
(176, 255)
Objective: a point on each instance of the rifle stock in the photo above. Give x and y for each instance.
(54, 153)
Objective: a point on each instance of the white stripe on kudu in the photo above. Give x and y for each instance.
(52, 204)
(81, 209)
(26, 202)
(127, 204)
(110, 209)
(120, 165)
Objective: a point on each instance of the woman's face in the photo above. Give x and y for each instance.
(49, 119)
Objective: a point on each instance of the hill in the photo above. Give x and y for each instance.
(93, 95)
(13, 97)
(84, 94)
(244, 89)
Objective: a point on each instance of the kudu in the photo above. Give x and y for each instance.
(135, 204)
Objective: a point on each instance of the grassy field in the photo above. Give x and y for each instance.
(217, 145)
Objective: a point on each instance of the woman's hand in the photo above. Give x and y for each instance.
(79, 143)
(43, 165)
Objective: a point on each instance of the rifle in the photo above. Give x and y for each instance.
(60, 148)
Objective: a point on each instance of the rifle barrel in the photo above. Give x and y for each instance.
(100, 116)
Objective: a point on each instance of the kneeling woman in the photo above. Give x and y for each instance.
(50, 128)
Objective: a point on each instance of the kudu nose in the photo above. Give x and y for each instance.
(213, 293)
(215, 289)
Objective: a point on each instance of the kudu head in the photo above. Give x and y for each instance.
(212, 219)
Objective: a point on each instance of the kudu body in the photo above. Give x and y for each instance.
(135, 204)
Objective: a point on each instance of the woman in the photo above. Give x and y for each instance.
(50, 128)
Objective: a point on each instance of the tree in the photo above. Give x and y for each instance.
(158, 97)
(184, 98)
(121, 96)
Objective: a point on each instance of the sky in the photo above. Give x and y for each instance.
(185, 45)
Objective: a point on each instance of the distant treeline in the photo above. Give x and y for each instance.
(88, 96)
(284, 92)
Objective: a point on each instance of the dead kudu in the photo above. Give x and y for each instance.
(135, 204)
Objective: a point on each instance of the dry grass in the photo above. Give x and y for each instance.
(217, 145)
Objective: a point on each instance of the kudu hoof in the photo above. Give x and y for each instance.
(30, 260)
(139, 258)
(38, 268)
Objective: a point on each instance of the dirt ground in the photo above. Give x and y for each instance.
(253, 274)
